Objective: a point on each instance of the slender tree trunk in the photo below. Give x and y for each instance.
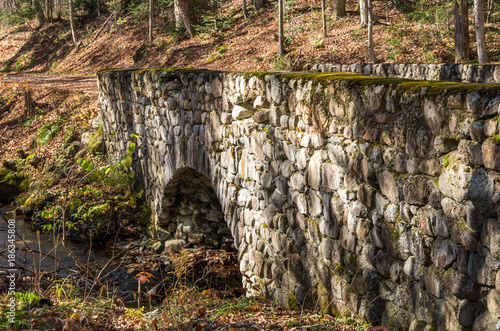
(150, 27)
(59, 5)
(98, 5)
(215, 14)
(177, 14)
(371, 51)
(323, 13)
(465, 14)
(39, 13)
(48, 11)
(72, 22)
(363, 12)
(479, 27)
(489, 7)
(462, 39)
(245, 14)
(185, 15)
(339, 9)
(281, 37)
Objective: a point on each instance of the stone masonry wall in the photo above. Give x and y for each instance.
(373, 196)
(465, 73)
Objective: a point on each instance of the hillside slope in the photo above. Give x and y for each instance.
(239, 44)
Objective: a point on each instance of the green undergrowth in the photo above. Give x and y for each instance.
(102, 203)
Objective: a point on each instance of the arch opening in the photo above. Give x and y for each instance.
(191, 213)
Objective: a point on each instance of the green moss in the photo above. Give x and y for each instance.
(47, 181)
(156, 71)
(352, 290)
(293, 303)
(495, 138)
(11, 165)
(103, 71)
(139, 54)
(393, 232)
(446, 161)
(460, 224)
(95, 144)
(324, 299)
(340, 268)
(33, 203)
(313, 223)
(402, 84)
(13, 182)
(323, 79)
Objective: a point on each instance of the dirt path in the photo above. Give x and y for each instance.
(85, 84)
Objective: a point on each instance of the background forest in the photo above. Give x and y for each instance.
(86, 35)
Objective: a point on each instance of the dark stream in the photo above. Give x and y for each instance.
(44, 244)
(119, 274)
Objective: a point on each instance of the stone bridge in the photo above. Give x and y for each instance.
(372, 196)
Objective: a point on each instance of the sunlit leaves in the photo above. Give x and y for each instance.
(108, 189)
(87, 166)
(144, 277)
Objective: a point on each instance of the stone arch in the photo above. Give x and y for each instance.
(334, 190)
(192, 214)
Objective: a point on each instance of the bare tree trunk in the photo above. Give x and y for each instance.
(489, 7)
(465, 14)
(29, 104)
(215, 14)
(98, 5)
(72, 23)
(479, 27)
(462, 39)
(323, 13)
(371, 51)
(150, 26)
(59, 5)
(339, 9)
(39, 13)
(281, 37)
(185, 15)
(245, 14)
(363, 12)
(177, 14)
(48, 11)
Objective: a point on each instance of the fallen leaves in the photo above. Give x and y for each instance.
(144, 277)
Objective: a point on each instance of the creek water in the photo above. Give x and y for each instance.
(36, 251)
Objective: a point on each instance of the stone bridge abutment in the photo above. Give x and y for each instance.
(363, 195)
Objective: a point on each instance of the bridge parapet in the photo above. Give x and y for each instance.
(367, 195)
(453, 72)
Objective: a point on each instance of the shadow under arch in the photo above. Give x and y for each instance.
(192, 214)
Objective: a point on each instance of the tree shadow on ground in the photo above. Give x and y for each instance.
(46, 46)
(193, 52)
